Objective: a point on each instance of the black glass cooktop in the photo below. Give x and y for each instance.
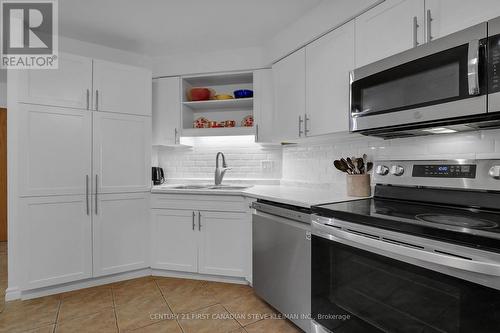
(474, 227)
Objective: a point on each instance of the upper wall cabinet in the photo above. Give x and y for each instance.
(166, 111)
(328, 62)
(389, 28)
(69, 86)
(289, 78)
(263, 105)
(121, 88)
(444, 17)
(88, 84)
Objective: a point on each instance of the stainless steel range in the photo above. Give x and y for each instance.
(422, 255)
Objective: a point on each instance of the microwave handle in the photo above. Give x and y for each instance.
(473, 67)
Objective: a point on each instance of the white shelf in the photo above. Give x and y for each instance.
(217, 105)
(223, 131)
(171, 146)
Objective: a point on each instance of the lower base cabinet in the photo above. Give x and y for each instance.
(206, 242)
(66, 239)
(121, 233)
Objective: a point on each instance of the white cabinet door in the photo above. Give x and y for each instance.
(54, 150)
(122, 153)
(56, 246)
(448, 16)
(121, 232)
(328, 62)
(289, 78)
(121, 88)
(174, 237)
(166, 111)
(225, 244)
(388, 29)
(263, 105)
(68, 86)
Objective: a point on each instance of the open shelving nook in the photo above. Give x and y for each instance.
(217, 110)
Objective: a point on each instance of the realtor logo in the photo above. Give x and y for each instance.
(29, 33)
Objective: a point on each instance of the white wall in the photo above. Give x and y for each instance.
(218, 61)
(91, 50)
(3, 87)
(311, 164)
(243, 156)
(324, 17)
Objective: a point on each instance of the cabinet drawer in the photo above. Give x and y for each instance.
(226, 203)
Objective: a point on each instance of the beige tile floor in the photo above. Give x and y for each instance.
(150, 304)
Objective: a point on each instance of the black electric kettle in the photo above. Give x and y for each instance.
(157, 175)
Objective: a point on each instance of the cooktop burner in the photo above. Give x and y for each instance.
(457, 220)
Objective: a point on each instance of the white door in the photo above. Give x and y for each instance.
(122, 153)
(448, 16)
(57, 242)
(54, 149)
(289, 78)
(121, 232)
(388, 29)
(263, 105)
(68, 86)
(166, 111)
(328, 62)
(225, 244)
(174, 237)
(121, 88)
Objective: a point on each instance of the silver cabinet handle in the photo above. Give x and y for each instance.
(256, 132)
(429, 26)
(193, 219)
(88, 99)
(96, 194)
(199, 221)
(175, 135)
(97, 100)
(300, 126)
(473, 67)
(306, 119)
(87, 193)
(415, 31)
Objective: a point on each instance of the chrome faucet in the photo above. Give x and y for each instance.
(219, 172)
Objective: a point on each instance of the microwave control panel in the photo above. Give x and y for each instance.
(494, 64)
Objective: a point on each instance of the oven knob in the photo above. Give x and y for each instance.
(397, 170)
(382, 170)
(495, 172)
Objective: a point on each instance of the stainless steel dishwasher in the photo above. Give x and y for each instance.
(282, 259)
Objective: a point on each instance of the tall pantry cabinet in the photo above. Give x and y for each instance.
(84, 152)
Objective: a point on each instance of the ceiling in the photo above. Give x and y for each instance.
(159, 27)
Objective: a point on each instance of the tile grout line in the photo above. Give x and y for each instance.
(168, 305)
(114, 308)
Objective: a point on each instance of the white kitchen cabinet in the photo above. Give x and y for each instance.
(121, 152)
(263, 105)
(223, 249)
(448, 16)
(121, 88)
(120, 232)
(56, 242)
(289, 78)
(166, 111)
(54, 150)
(68, 86)
(389, 28)
(328, 62)
(174, 237)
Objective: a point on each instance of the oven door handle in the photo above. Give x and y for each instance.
(401, 251)
(473, 67)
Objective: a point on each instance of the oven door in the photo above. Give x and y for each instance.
(356, 288)
(441, 80)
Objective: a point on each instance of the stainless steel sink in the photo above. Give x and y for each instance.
(191, 187)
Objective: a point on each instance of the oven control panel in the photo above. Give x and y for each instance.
(444, 170)
(480, 174)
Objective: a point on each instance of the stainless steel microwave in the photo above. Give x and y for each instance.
(448, 85)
